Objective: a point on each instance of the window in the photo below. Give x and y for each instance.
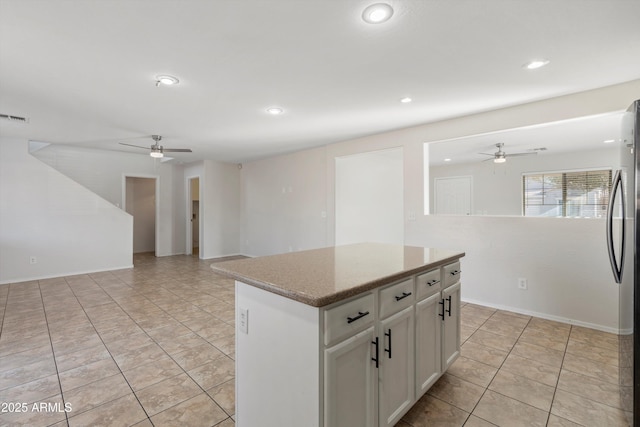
(582, 194)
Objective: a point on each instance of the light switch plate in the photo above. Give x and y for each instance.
(243, 320)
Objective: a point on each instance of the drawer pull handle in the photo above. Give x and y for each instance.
(449, 310)
(455, 272)
(388, 350)
(403, 296)
(359, 316)
(375, 359)
(433, 282)
(442, 304)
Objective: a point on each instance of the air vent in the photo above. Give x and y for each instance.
(16, 119)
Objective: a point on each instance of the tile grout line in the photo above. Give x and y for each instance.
(160, 346)
(53, 353)
(485, 388)
(555, 389)
(581, 374)
(498, 369)
(4, 312)
(108, 351)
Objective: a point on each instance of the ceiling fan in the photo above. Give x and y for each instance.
(158, 150)
(500, 156)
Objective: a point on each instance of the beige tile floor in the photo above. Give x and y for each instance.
(154, 345)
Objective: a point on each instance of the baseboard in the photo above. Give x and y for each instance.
(71, 273)
(221, 256)
(547, 317)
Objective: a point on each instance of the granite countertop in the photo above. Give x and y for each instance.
(321, 277)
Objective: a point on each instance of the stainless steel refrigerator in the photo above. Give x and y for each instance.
(622, 240)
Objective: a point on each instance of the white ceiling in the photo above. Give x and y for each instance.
(83, 71)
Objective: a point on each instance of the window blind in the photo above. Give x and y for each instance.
(582, 194)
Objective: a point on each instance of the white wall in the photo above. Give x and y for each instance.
(104, 173)
(45, 214)
(369, 191)
(564, 260)
(273, 221)
(220, 210)
(284, 203)
(497, 188)
(219, 193)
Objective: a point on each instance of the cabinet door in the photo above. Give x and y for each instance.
(451, 329)
(428, 343)
(349, 382)
(396, 372)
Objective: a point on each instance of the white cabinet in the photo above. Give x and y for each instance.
(350, 382)
(450, 314)
(428, 343)
(437, 324)
(396, 367)
(408, 345)
(451, 325)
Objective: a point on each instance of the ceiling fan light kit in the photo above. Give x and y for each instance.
(500, 156)
(157, 150)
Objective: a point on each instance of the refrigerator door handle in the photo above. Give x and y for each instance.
(615, 186)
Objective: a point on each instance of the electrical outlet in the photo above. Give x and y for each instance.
(522, 283)
(243, 320)
(33, 260)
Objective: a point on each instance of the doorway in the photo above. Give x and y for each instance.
(193, 216)
(141, 203)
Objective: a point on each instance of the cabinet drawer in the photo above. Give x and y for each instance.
(450, 274)
(348, 319)
(428, 284)
(396, 297)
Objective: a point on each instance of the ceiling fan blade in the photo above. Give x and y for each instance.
(177, 150)
(131, 145)
(521, 154)
(487, 154)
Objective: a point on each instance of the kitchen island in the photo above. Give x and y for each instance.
(343, 336)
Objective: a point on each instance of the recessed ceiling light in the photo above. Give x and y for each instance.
(275, 110)
(165, 79)
(447, 160)
(609, 141)
(535, 64)
(377, 13)
(406, 100)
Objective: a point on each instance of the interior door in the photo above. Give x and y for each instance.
(453, 195)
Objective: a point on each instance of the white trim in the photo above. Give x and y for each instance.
(546, 316)
(58, 275)
(226, 256)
